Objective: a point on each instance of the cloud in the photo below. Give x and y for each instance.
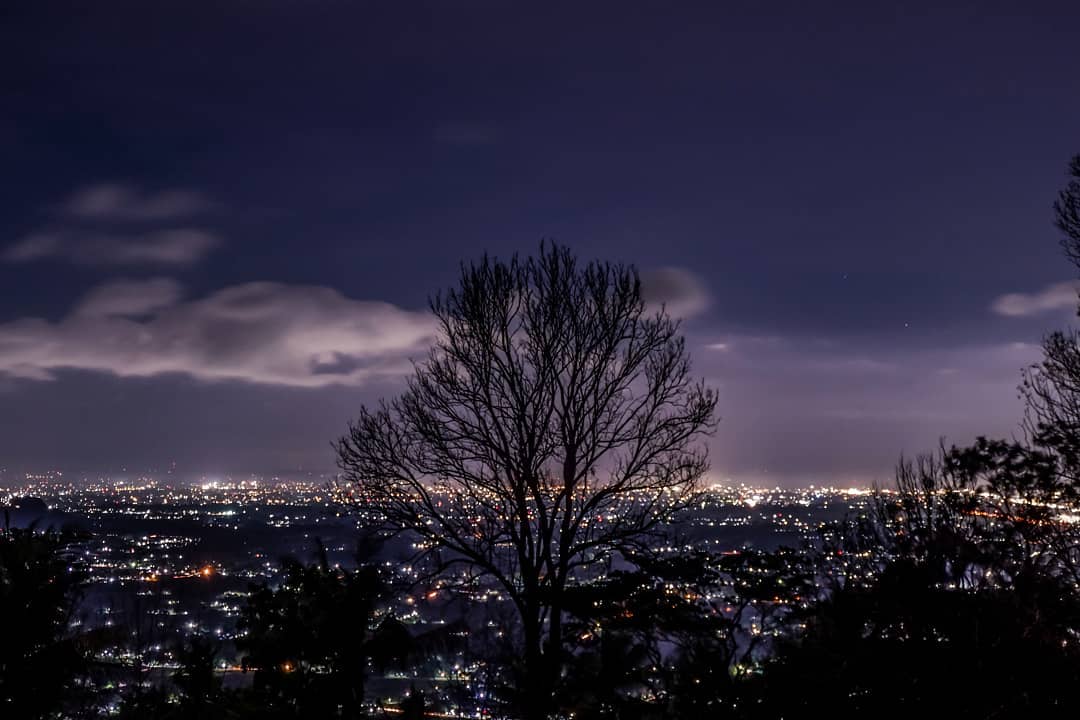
(262, 332)
(120, 225)
(1059, 296)
(129, 298)
(114, 202)
(180, 246)
(681, 292)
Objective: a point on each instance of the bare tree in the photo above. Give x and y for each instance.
(1051, 388)
(554, 424)
(1067, 212)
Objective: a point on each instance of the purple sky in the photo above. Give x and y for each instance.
(221, 221)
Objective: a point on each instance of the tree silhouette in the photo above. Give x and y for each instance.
(951, 600)
(1051, 388)
(1067, 212)
(199, 688)
(958, 595)
(675, 636)
(552, 425)
(39, 653)
(310, 640)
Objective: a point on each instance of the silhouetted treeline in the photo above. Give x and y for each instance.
(40, 656)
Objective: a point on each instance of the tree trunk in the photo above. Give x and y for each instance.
(535, 704)
(541, 668)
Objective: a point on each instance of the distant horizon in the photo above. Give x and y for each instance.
(13, 479)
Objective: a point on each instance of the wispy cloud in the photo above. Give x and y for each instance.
(680, 291)
(120, 225)
(179, 246)
(129, 298)
(293, 335)
(116, 202)
(1059, 296)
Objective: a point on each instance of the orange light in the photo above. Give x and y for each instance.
(207, 571)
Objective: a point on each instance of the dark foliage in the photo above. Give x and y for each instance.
(677, 635)
(311, 640)
(40, 656)
(965, 603)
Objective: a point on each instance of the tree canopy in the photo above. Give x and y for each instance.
(554, 423)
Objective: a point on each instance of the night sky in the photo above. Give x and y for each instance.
(220, 221)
